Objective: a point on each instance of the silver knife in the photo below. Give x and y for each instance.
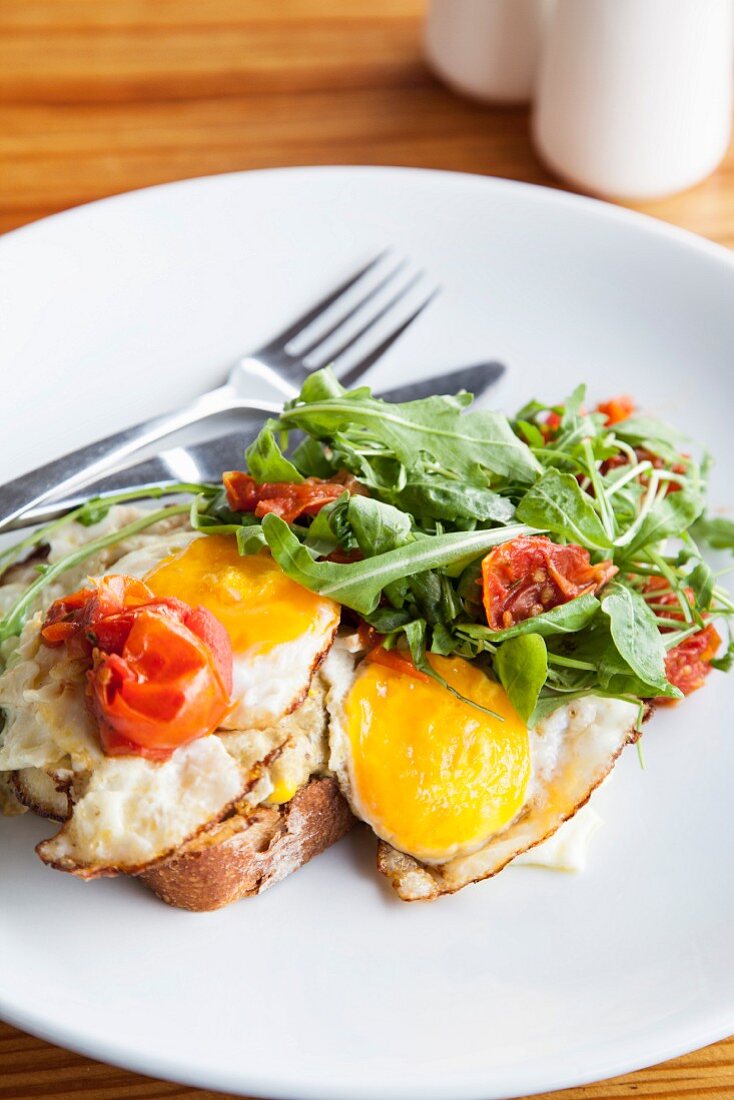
(206, 461)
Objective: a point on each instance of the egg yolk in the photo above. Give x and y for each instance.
(433, 775)
(256, 603)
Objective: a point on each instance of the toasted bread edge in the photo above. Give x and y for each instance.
(248, 854)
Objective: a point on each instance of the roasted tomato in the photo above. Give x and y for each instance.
(616, 409)
(398, 661)
(550, 425)
(161, 671)
(687, 665)
(73, 620)
(529, 575)
(287, 499)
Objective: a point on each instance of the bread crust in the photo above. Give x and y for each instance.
(251, 851)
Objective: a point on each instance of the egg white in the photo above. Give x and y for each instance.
(570, 753)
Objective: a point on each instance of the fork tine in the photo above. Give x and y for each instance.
(318, 341)
(358, 369)
(372, 321)
(279, 342)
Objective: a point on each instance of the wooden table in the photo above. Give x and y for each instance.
(101, 96)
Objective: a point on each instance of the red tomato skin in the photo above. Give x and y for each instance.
(162, 691)
(397, 661)
(288, 499)
(616, 409)
(531, 574)
(161, 671)
(687, 665)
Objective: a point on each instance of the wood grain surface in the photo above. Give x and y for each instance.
(102, 96)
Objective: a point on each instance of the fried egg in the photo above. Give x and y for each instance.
(454, 793)
(122, 813)
(279, 631)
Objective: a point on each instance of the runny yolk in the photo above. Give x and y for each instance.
(256, 603)
(433, 775)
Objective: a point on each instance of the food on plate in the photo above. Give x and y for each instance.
(433, 619)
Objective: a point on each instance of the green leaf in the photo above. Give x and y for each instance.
(467, 444)
(250, 539)
(648, 431)
(359, 584)
(435, 596)
(636, 636)
(266, 461)
(668, 518)
(702, 581)
(386, 620)
(572, 406)
(565, 619)
(558, 503)
(378, 527)
(440, 498)
(321, 385)
(522, 666)
(310, 459)
(717, 532)
(530, 432)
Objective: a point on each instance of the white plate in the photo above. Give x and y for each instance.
(327, 986)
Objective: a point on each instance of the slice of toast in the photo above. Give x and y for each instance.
(246, 854)
(238, 857)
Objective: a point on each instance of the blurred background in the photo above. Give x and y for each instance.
(101, 96)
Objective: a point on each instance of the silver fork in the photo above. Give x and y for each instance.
(281, 369)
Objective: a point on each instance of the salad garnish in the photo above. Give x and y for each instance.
(561, 548)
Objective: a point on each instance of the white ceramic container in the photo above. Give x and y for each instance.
(487, 49)
(634, 97)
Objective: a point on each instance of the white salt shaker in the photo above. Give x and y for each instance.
(634, 97)
(487, 49)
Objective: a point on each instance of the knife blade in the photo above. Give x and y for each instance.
(206, 461)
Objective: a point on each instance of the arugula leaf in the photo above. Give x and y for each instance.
(702, 581)
(522, 666)
(435, 596)
(378, 527)
(669, 516)
(636, 636)
(558, 503)
(716, 531)
(359, 584)
(644, 430)
(310, 459)
(572, 406)
(439, 498)
(468, 444)
(323, 384)
(266, 461)
(567, 618)
(250, 539)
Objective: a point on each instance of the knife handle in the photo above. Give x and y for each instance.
(72, 472)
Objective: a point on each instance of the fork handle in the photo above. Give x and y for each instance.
(73, 471)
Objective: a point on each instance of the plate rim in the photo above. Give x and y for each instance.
(710, 1027)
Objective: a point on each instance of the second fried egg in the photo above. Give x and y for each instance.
(432, 774)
